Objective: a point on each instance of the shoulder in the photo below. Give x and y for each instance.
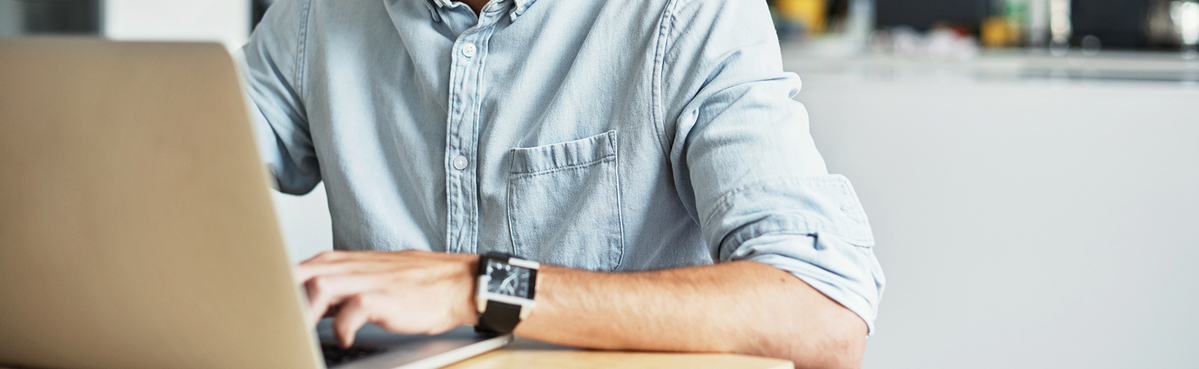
(707, 13)
(281, 30)
(717, 26)
(285, 15)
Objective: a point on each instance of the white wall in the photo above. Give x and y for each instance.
(1022, 224)
(224, 21)
(305, 221)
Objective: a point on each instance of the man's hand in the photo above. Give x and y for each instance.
(407, 291)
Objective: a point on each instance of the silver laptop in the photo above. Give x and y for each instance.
(136, 227)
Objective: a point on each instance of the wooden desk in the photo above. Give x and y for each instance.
(508, 358)
(525, 353)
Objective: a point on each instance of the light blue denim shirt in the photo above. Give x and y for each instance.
(611, 135)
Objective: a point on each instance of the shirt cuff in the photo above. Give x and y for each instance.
(847, 274)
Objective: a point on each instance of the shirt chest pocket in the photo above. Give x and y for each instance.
(564, 203)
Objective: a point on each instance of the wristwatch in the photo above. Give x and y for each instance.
(504, 292)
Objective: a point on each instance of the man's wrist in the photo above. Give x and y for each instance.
(505, 292)
(466, 312)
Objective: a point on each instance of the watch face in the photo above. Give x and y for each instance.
(508, 280)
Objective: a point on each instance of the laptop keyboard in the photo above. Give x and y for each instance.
(335, 355)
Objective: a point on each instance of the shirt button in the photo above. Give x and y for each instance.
(460, 162)
(469, 50)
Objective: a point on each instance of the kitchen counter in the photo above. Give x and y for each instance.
(1168, 67)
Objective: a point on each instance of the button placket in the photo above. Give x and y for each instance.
(455, 186)
(462, 140)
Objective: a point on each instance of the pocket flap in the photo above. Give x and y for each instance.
(565, 154)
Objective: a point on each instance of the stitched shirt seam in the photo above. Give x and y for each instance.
(302, 50)
(658, 110)
(609, 157)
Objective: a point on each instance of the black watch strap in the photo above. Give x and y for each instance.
(500, 318)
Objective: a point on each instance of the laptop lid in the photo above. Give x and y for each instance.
(136, 230)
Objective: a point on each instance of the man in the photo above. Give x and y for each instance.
(646, 152)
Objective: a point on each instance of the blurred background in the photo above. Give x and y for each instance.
(1030, 167)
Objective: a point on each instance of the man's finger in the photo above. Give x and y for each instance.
(353, 314)
(344, 263)
(326, 292)
(317, 264)
(323, 294)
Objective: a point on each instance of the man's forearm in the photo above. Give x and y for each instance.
(741, 307)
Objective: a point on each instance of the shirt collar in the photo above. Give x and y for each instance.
(521, 6)
(518, 9)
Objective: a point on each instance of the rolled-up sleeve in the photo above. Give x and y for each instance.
(271, 65)
(744, 162)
